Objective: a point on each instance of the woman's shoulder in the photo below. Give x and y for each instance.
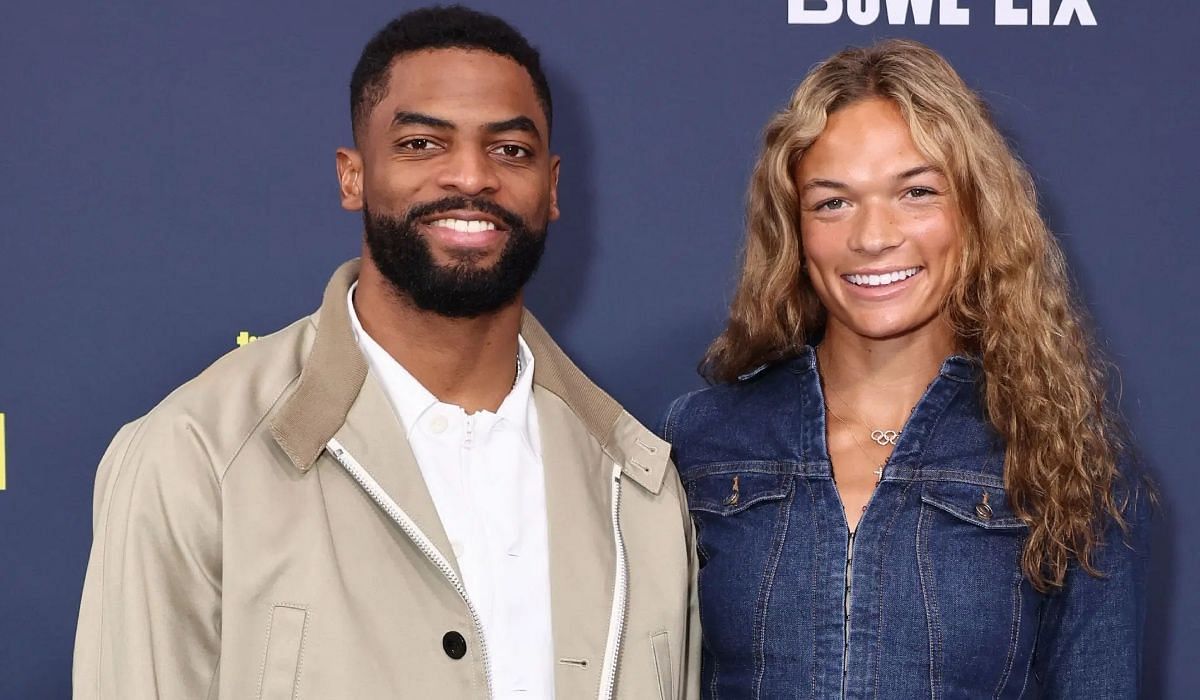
(741, 412)
(725, 401)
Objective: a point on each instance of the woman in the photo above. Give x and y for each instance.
(906, 479)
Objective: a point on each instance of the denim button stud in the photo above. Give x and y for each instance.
(982, 509)
(736, 492)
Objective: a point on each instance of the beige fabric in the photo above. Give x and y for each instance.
(234, 558)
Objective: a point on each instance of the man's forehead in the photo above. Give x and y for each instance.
(470, 85)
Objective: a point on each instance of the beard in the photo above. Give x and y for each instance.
(460, 289)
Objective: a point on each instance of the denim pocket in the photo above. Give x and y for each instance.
(982, 619)
(978, 505)
(733, 491)
(742, 512)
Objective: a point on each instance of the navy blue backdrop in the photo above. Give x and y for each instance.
(168, 183)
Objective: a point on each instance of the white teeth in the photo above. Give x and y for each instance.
(881, 280)
(464, 226)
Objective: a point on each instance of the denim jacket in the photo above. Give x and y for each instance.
(932, 603)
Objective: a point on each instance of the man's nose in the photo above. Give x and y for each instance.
(469, 171)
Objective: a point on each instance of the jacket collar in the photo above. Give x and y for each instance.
(334, 372)
(936, 413)
(959, 367)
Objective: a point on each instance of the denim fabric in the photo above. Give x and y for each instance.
(937, 606)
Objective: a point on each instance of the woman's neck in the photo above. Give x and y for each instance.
(881, 380)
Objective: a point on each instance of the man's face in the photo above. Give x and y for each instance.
(455, 179)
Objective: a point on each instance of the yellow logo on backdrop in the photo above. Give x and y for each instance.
(2, 482)
(244, 338)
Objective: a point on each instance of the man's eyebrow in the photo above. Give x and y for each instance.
(403, 118)
(521, 123)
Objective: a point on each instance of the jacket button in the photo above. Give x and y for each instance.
(454, 645)
(983, 510)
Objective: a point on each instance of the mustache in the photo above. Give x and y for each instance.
(446, 204)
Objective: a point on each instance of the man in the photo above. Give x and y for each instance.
(412, 493)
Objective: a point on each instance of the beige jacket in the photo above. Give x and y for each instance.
(265, 533)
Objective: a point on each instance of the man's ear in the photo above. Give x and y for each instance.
(555, 161)
(350, 178)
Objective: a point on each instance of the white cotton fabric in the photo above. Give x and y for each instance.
(485, 475)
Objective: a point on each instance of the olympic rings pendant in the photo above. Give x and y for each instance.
(885, 437)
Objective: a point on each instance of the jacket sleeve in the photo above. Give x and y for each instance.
(149, 619)
(691, 659)
(1090, 642)
(692, 644)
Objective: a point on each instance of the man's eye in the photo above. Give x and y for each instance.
(415, 144)
(511, 150)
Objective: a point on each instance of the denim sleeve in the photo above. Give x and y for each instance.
(1090, 642)
(666, 425)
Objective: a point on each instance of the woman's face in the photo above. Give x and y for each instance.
(880, 229)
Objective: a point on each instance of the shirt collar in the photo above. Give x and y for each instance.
(410, 399)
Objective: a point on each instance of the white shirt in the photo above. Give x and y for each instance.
(484, 473)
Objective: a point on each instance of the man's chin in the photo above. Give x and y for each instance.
(466, 260)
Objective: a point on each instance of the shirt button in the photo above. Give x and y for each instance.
(454, 645)
(438, 424)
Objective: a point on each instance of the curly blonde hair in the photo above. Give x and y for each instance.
(1044, 385)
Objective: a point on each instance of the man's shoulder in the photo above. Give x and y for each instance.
(212, 415)
(643, 456)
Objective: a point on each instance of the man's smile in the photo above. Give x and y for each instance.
(465, 229)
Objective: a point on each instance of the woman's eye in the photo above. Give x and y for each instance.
(831, 205)
(920, 192)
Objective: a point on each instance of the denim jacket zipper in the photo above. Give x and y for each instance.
(851, 541)
(847, 599)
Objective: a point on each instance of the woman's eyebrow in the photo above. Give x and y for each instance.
(919, 170)
(820, 183)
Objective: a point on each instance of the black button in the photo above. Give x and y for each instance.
(454, 645)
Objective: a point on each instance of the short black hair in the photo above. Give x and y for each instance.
(455, 27)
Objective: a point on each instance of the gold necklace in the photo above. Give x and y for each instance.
(877, 472)
(880, 437)
(883, 438)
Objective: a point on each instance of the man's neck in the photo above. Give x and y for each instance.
(883, 379)
(467, 362)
